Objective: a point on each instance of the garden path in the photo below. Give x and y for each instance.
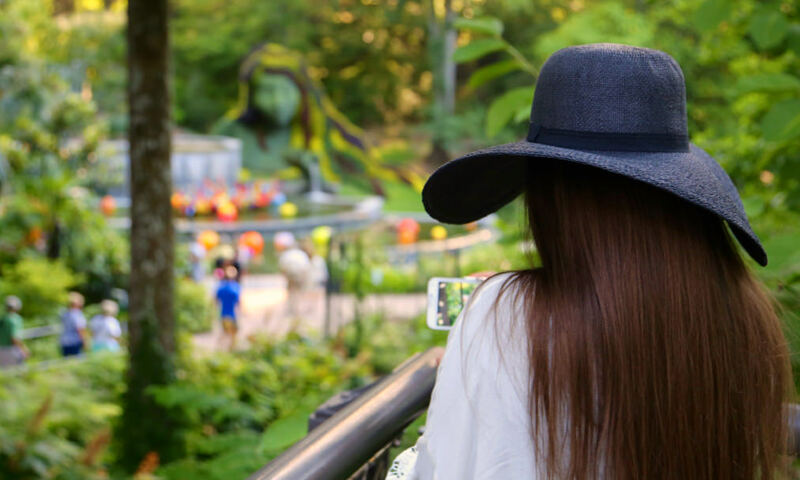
(264, 310)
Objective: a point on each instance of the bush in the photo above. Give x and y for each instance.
(241, 409)
(193, 309)
(41, 284)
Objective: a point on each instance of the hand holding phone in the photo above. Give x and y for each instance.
(447, 297)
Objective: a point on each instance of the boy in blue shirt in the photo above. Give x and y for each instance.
(228, 299)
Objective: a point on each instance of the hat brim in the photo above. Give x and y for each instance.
(469, 188)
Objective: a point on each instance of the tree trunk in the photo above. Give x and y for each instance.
(146, 426)
(448, 64)
(441, 46)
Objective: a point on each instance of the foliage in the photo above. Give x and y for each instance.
(60, 429)
(48, 136)
(41, 284)
(193, 308)
(241, 409)
(370, 48)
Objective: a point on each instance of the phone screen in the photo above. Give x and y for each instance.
(451, 296)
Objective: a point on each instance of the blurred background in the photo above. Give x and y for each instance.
(301, 134)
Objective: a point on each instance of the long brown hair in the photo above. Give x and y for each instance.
(653, 351)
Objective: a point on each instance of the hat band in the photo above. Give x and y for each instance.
(610, 141)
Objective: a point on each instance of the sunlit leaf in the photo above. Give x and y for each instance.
(782, 122)
(490, 72)
(711, 13)
(793, 38)
(477, 49)
(767, 82)
(284, 432)
(768, 27)
(490, 25)
(505, 107)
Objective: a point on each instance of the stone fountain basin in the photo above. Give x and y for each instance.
(355, 213)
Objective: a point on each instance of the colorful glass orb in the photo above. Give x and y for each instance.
(283, 240)
(108, 205)
(407, 231)
(202, 206)
(178, 201)
(34, 235)
(263, 199)
(208, 239)
(288, 210)
(227, 211)
(218, 199)
(278, 199)
(253, 240)
(321, 237)
(438, 232)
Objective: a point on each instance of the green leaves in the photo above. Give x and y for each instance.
(477, 49)
(282, 433)
(768, 27)
(507, 107)
(782, 122)
(488, 25)
(768, 82)
(481, 46)
(490, 72)
(710, 14)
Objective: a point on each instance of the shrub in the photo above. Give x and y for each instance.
(41, 284)
(193, 309)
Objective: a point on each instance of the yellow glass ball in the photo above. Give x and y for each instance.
(288, 210)
(438, 232)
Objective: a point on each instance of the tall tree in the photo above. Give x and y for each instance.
(147, 427)
(442, 37)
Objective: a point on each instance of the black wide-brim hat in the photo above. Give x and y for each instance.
(614, 107)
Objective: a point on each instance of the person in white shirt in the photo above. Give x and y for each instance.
(296, 267)
(105, 328)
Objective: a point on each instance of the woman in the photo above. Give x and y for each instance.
(105, 328)
(642, 347)
(73, 333)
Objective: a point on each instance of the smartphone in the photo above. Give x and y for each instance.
(447, 298)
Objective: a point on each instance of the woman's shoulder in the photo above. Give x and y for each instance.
(496, 307)
(491, 333)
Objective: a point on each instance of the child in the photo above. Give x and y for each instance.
(12, 350)
(105, 328)
(228, 299)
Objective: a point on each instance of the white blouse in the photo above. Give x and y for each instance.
(478, 424)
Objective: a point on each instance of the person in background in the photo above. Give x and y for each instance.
(197, 254)
(242, 260)
(227, 297)
(105, 328)
(12, 350)
(73, 335)
(295, 265)
(226, 256)
(319, 270)
(314, 288)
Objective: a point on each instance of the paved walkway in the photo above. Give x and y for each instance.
(264, 311)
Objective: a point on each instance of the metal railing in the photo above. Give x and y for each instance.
(348, 440)
(354, 442)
